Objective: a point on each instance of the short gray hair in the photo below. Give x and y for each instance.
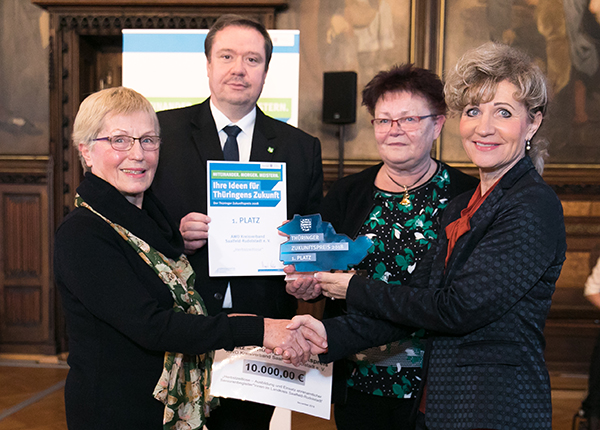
(99, 105)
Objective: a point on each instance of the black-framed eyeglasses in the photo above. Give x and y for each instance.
(406, 123)
(125, 143)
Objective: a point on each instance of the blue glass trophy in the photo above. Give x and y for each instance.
(314, 245)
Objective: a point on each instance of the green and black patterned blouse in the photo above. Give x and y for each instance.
(401, 236)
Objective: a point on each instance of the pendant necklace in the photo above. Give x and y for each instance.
(406, 198)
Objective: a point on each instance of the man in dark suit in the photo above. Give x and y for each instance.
(238, 51)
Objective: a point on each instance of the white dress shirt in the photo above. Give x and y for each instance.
(244, 140)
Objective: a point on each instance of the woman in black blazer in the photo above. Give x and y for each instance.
(140, 341)
(484, 290)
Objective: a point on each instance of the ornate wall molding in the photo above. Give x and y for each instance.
(103, 23)
(18, 178)
(22, 169)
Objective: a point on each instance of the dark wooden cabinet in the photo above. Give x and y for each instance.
(27, 311)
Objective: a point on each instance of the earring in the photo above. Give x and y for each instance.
(528, 144)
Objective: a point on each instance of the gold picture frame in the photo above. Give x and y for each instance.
(545, 30)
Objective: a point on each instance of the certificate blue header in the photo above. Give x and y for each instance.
(244, 184)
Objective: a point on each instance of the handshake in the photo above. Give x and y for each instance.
(303, 336)
(296, 339)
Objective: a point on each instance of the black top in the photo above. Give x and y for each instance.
(347, 206)
(119, 313)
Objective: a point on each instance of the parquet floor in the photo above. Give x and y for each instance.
(31, 397)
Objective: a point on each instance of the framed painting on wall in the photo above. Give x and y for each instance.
(24, 111)
(563, 37)
(364, 36)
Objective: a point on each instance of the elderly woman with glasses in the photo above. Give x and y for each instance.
(398, 204)
(139, 337)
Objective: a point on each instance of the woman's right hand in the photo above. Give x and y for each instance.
(334, 285)
(301, 285)
(194, 229)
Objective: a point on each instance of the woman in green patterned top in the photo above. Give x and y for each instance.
(398, 204)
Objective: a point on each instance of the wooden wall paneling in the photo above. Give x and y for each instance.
(573, 323)
(26, 290)
(569, 344)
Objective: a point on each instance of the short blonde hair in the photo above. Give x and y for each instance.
(478, 72)
(102, 104)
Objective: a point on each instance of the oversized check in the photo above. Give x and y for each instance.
(246, 204)
(249, 373)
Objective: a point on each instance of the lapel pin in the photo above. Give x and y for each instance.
(270, 149)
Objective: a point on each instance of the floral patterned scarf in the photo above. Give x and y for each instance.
(185, 381)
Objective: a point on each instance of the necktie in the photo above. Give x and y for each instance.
(230, 150)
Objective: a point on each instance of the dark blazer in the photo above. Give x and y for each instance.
(119, 313)
(487, 309)
(190, 138)
(346, 206)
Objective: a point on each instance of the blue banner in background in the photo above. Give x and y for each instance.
(169, 68)
(157, 41)
(163, 42)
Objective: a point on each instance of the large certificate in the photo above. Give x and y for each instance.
(246, 204)
(249, 373)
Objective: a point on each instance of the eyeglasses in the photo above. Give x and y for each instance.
(125, 143)
(406, 123)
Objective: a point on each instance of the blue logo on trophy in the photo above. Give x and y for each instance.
(314, 245)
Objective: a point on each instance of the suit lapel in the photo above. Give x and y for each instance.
(480, 222)
(264, 139)
(205, 135)
(438, 277)
(484, 217)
